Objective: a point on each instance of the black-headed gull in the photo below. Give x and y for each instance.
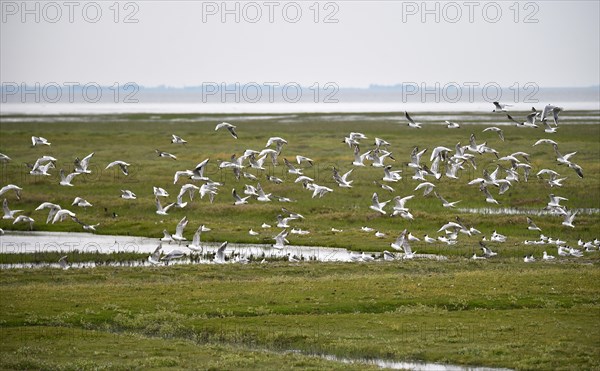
(376, 205)
(160, 210)
(11, 187)
(178, 236)
(237, 199)
(8, 213)
(63, 214)
(528, 123)
(165, 154)
(229, 127)
(37, 141)
(154, 258)
(196, 244)
(53, 210)
(280, 240)
(451, 125)
(124, 166)
(62, 262)
(497, 130)
(24, 219)
(86, 227)
(531, 225)
(499, 107)
(128, 195)
(81, 202)
(175, 139)
(220, 254)
(342, 180)
(411, 122)
(81, 166)
(445, 203)
(66, 179)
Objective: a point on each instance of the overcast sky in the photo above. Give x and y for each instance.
(350, 43)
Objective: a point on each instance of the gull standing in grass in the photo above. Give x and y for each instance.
(8, 213)
(546, 256)
(229, 127)
(451, 125)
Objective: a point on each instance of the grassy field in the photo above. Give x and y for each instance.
(503, 314)
(500, 312)
(134, 138)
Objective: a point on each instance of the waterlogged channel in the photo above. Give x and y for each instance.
(415, 366)
(66, 242)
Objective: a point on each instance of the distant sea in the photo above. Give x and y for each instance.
(253, 99)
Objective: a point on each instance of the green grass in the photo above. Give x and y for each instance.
(515, 315)
(500, 312)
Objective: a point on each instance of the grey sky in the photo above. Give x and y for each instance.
(371, 43)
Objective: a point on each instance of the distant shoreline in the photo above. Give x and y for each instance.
(270, 108)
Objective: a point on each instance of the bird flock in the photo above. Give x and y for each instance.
(511, 169)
